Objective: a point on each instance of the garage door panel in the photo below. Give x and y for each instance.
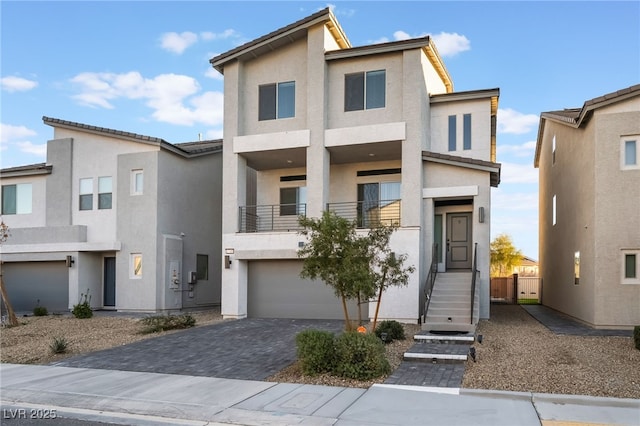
(28, 282)
(275, 290)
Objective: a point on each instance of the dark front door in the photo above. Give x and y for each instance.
(459, 240)
(109, 281)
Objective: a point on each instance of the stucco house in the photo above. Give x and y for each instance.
(133, 220)
(589, 166)
(370, 132)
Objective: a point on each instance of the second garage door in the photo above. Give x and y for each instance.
(275, 290)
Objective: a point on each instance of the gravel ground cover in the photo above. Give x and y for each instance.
(517, 353)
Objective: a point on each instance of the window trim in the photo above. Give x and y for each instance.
(357, 96)
(635, 139)
(623, 270)
(134, 182)
(275, 105)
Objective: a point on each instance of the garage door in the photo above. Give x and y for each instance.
(26, 282)
(275, 290)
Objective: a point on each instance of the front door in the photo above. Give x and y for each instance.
(459, 240)
(109, 281)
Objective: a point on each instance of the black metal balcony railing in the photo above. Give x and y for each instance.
(368, 214)
(274, 217)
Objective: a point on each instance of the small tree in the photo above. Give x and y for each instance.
(334, 254)
(504, 256)
(13, 320)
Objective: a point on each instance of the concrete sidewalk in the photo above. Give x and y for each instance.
(138, 398)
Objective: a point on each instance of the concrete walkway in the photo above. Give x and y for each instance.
(136, 398)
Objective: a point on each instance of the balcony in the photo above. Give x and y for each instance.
(273, 217)
(368, 214)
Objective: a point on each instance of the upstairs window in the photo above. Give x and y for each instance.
(86, 194)
(105, 192)
(277, 100)
(554, 211)
(137, 181)
(629, 154)
(466, 133)
(365, 90)
(293, 201)
(452, 133)
(17, 199)
(553, 150)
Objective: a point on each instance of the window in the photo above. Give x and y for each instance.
(631, 267)
(378, 203)
(452, 133)
(16, 199)
(137, 182)
(553, 210)
(466, 135)
(576, 268)
(136, 265)
(202, 267)
(277, 101)
(104, 192)
(86, 194)
(553, 150)
(293, 201)
(365, 90)
(629, 154)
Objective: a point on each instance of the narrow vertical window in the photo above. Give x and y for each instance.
(630, 153)
(576, 268)
(354, 92)
(452, 133)
(553, 210)
(137, 182)
(105, 192)
(553, 150)
(136, 265)
(86, 194)
(286, 99)
(202, 267)
(630, 266)
(375, 89)
(466, 134)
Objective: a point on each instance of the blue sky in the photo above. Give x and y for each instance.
(143, 67)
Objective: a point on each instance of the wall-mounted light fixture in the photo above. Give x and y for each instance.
(227, 262)
(229, 251)
(481, 215)
(69, 261)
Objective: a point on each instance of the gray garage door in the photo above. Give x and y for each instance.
(26, 282)
(275, 290)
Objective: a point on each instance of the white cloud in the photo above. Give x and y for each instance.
(339, 12)
(228, 33)
(173, 98)
(401, 35)
(12, 133)
(518, 173)
(17, 84)
(177, 43)
(31, 148)
(511, 121)
(526, 149)
(450, 44)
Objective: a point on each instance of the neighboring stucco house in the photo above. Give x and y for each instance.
(527, 268)
(372, 132)
(589, 166)
(122, 216)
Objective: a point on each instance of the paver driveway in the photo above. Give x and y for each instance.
(248, 349)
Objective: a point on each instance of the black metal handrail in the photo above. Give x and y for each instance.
(474, 272)
(431, 278)
(368, 214)
(271, 217)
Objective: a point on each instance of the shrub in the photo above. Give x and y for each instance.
(360, 356)
(315, 351)
(393, 329)
(636, 336)
(40, 311)
(59, 345)
(158, 323)
(83, 309)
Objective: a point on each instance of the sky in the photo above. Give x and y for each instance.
(143, 67)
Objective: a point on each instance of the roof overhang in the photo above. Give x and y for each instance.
(29, 170)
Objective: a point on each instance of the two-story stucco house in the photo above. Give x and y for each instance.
(133, 220)
(589, 167)
(374, 133)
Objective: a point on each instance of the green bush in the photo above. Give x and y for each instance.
(360, 356)
(393, 329)
(40, 311)
(636, 336)
(83, 309)
(158, 323)
(315, 351)
(59, 345)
